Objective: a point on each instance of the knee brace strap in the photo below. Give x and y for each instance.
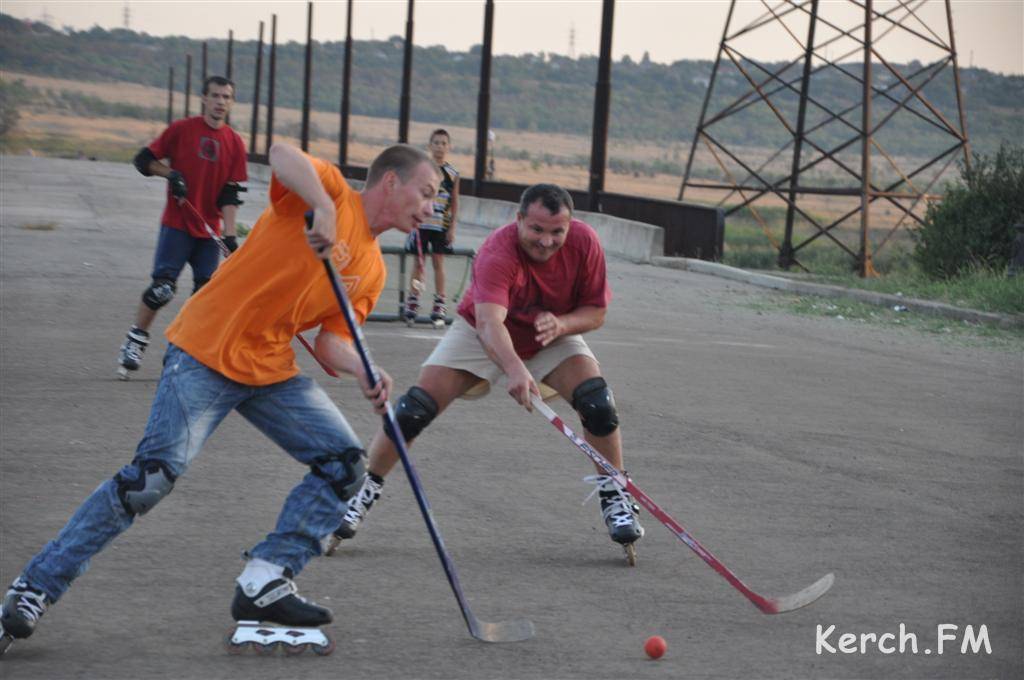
(415, 410)
(139, 495)
(346, 482)
(593, 400)
(159, 293)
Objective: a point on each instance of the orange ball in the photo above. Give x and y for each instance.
(655, 646)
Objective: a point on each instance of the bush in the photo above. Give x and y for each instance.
(973, 225)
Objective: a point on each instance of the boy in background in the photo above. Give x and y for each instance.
(435, 236)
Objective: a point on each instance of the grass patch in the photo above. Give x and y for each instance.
(859, 313)
(63, 146)
(979, 288)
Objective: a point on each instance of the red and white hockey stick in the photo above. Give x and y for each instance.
(224, 250)
(768, 605)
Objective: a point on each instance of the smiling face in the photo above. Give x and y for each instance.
(410, 203)
(217, 103)
(541, 234)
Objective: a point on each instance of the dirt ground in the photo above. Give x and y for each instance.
(790, 446)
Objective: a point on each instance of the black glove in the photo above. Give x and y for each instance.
(177, 182)
(231, 242)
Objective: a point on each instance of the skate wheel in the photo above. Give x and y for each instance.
(122, 373)
(234, 648)
(295, 650)
(324, 650)
(6, 641)
(268, 649)
(630, 550)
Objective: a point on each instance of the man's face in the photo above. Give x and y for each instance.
(541, 234)
(412, 202)
(218, 100)
(439, 145)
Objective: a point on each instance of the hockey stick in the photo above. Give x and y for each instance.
(309, 348)
(502, 631)
(224, 250)
(768, 605)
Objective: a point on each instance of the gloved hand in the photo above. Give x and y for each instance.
(231, 242)
(177, 182)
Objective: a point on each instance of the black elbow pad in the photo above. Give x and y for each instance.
(142, 160)
(229, 195)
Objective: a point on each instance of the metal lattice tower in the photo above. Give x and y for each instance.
(835, 111)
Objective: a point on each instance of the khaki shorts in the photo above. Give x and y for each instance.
(461, 349)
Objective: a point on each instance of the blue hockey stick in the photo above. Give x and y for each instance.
(502, 631)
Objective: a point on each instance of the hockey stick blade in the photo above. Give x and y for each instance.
(506, 631)
(767, 605)
(516, 630)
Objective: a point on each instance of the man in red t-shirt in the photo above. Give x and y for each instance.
(538, 284)
(207, 162)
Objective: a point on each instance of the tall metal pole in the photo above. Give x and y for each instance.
(231, 49)
(403, 115)
(256, 93)
(865, 267)
(202, 104)
(956, 82)
(188, 82)
(707, 98)
(346, 86)
(483, 104)
(786, 251)
(270, 82)
(602, 104)
(170, 95)
(307, 77)
(228, 70)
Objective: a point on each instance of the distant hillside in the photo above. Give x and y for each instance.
(545, 93)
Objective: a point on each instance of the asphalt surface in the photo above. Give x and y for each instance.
(790, 446)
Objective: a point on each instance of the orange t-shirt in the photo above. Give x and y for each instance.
(242, 322)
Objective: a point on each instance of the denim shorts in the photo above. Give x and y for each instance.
(176, 247)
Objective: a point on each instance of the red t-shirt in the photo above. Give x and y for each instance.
(503, 274)
(208, 158)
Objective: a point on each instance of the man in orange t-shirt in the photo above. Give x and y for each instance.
(231, 350)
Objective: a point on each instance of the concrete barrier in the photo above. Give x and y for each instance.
(635, 241)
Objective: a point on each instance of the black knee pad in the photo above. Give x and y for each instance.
(415, 410)
(159, 293)
(138, 496)
(594, 402)
(346, 478)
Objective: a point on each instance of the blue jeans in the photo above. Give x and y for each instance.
(191, 400)
(175, 247)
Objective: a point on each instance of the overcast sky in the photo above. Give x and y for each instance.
(988, 33)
